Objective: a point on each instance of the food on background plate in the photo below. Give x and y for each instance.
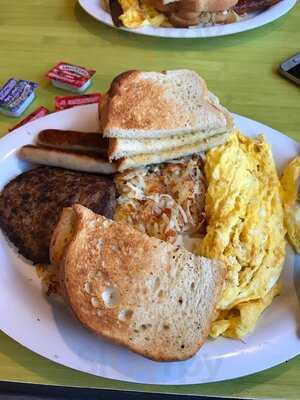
(173, 109)
(114, 8)
(290, 182)
(247, 6)
(245, 230)
(64, 102)
(148, 295)
(76, 161)
(134, 14)
(73, 78)
(31, 203)
(15, 96)
(38, 113)
(185, 13)
(181, 13)
(165, 201)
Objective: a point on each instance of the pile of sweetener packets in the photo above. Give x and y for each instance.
(17, 94)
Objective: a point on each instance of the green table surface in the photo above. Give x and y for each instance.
(241, 69)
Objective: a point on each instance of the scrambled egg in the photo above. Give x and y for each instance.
(137, 13)
(291, 200)
(245, 230)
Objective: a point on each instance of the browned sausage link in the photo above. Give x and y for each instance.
(246, 6)
(115, 11)
(73, 140)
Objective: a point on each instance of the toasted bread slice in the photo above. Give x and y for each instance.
(62, 235)
(148, 295)
(159, 157)
(122, 148)
(155, 105)
(88, 162)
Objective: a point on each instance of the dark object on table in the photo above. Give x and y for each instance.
(246, 6)
(30, 205)
(290, 69)
(21, 391)
(115, 11)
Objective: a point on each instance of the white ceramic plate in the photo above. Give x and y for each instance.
(46, 326)
(254, 20)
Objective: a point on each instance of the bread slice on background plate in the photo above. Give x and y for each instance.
(145, 105)
(150, 296)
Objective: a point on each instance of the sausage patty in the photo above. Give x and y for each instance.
(31, 203)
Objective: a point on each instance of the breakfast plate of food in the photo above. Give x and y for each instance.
(152, 237)
(186, 18)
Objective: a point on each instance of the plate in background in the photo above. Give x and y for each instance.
(254, 20)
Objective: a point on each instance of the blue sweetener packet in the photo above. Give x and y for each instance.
(16, 95)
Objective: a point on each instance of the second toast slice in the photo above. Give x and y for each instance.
(148, 295)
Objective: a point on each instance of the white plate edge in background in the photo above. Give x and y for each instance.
(93, 8)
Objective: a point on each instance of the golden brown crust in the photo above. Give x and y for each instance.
(61, 236)
(114, 90)
(87, 272)
(112, 147)
(148, 104)
(134, 103)
(118, 81)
